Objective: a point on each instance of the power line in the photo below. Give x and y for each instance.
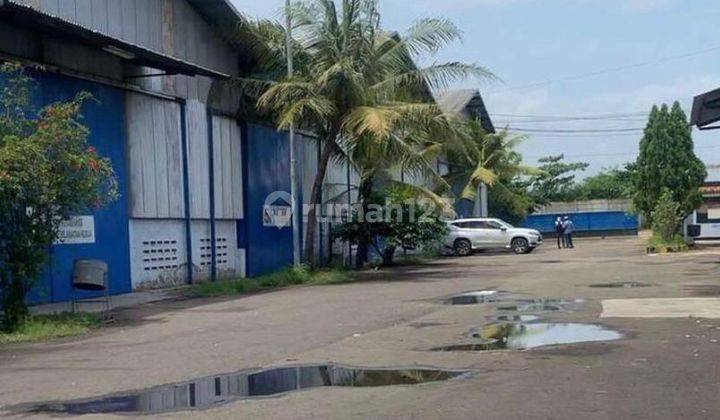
(574, 131)
(557, 120)
(609, 70)
(613, 154)
(578, 117)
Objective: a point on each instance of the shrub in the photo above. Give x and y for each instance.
(48, 172)
(666, 217)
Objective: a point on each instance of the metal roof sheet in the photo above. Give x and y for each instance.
(467, 103)
(55, 27)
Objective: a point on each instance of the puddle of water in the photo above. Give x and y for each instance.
(474, 298)
(213, 391)
(516, 318)
(522, 336)
(621, 284)
(539, 305)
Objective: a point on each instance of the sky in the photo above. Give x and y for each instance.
(610, 60)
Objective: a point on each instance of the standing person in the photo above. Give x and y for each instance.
(568, 230)
(560, 233)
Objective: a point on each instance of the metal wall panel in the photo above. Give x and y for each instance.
(335, 187)
(198, 160)
(51, 7)
(269, 248)
(155, 157)
(105, 121)
(228, 168)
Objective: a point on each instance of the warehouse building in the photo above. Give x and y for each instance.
(193, 178)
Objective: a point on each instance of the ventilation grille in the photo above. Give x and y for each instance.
(221, 252)
(160, 255)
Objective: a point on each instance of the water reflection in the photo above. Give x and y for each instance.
(509, 336)
(213, 391)
(474, 298)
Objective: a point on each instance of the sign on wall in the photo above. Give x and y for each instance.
(277, 216)
(77, 230)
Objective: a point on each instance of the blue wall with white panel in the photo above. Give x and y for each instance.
(104, 117)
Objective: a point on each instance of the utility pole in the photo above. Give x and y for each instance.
(293, 159)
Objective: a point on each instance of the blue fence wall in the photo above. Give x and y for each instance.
(607, 221)
(105, 118)
(266, 157)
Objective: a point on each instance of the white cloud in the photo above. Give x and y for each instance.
(644, 97)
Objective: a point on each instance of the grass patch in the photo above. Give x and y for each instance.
(283, 278)
(47, 327)
(657, 245)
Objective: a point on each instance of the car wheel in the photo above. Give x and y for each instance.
(520, 246)
(463, 247)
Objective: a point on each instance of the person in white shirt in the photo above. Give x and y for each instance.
(568, 230)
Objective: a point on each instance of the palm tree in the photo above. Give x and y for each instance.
(480, 159)
(359, 81)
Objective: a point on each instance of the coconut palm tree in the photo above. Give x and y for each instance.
(359, 81)
(478, 159)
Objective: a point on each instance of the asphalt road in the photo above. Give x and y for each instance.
(660, 369)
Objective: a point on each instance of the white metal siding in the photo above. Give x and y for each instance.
(198, 160)
(227, 159)
(154, 157)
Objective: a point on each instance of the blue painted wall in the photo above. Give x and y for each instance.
(104, 116)
(266, 157)
(585, 222)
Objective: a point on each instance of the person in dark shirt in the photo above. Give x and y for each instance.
(560, 233)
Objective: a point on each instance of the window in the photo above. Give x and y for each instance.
(477, 224)
(495, 225)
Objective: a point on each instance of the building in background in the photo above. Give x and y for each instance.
(466, 103)
(193, 178)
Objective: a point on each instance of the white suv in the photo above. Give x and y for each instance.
(468, 235)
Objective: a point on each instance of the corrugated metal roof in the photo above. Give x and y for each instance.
(55, 27)
(220, 14)
(466, 103)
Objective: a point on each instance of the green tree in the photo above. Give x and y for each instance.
(48, 172)
(556, 180)
(477, 158)
(406, 149)
(667, 162)
(609, 184)
(359, 81)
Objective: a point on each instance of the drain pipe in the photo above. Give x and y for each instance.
(211, 163)
(186, 189)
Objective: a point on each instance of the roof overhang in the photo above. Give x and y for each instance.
(706, 110)
(56, 28)
(466, 103)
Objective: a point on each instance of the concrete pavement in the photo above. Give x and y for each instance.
(663, 368)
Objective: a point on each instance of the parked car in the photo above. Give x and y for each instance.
(468, 235)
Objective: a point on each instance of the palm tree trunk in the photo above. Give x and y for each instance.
(364, 239)
(316, 197)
